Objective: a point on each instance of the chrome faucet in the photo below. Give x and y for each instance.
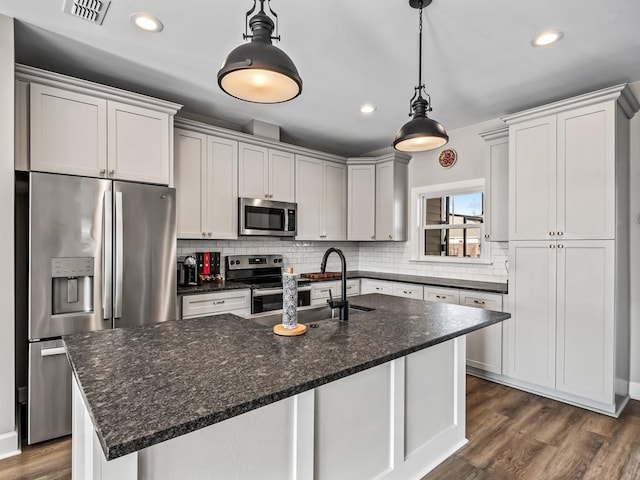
(342, 305)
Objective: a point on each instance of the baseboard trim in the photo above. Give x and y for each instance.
(9, 445)
(634, 390)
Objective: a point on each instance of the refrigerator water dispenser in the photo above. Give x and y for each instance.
(72, 285)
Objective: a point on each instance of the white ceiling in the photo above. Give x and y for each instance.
(479, 61)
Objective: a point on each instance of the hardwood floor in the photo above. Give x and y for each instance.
(512, 435)
(516, 435)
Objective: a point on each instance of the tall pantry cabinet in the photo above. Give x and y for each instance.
(569, 250)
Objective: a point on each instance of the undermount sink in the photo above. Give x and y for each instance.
(310, 315)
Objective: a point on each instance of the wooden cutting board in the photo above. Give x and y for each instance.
(321, 276)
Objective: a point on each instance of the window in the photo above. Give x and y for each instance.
(449, 221)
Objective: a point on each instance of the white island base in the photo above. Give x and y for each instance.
(398, 420)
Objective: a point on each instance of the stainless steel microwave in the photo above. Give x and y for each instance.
(266, 217)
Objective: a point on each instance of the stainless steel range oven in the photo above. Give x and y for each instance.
(264, 274)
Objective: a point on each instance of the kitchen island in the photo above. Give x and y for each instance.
(222, 397)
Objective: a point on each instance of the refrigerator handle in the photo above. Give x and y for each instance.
(119, 257)
(107, 259)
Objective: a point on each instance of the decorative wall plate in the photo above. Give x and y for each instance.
(447, 158)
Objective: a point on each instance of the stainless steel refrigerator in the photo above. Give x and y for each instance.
(102, 255)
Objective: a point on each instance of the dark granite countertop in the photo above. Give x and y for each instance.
(212, 287)
(148, 384)
(493, 287)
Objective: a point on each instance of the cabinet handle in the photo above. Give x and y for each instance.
(103, 171)
(479, 302)
(486, 235)
(552, 233)
(204, 234)
(373, 237)
(111, 173)
(552, 246)
(209, 233)
(440, 297)
(323, 236)
(390, 237)
(560, 233)
(560, 246)
(219, 302)
(406, 293)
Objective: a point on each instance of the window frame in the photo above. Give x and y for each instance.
(418, 195)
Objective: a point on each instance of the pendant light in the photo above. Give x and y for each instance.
(259, 71)
(421, 133)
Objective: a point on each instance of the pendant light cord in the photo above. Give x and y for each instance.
(420, 53)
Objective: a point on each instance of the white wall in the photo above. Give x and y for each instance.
(425, 170)
(8, 435)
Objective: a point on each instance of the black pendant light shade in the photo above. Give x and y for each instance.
(421, 133)
(258, 71)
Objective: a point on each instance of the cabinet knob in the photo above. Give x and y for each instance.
(560, 233)
(560, 246)
(552, 246)
(204, 234)
(373, 237)
(552, 233)
(209, 233)
(486, 235)
(390, 237)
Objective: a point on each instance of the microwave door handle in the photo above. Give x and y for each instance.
(107, 256)
(119, 254)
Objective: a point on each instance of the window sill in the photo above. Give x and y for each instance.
(464, 261)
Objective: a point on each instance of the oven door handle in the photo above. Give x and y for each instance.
(306, 288)
(266, 291)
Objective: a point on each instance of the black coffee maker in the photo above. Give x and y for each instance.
(187, 271)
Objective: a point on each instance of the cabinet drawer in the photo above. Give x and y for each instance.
(444, 295)
(321, 291)
(408, 290)
(235, 301)
(376, 286)
(487, 301)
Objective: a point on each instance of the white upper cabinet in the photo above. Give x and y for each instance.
(68, 132)
(138, 144)
(496, 194)
(362, 200)
(321, 195)
(206, 173)
(266, 173)
(81, 128)
(562, 175)
(377, 198)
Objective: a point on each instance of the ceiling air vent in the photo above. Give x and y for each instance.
(91, 10)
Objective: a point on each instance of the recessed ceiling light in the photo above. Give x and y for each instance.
(146, 22)
(367, 108)
(547, 37)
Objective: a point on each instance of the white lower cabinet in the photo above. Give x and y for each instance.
(484, 346)
(227, 301)
(562, 332)
(407, 290)
(320, 290)
(369, 285)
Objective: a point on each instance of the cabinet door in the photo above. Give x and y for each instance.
(68, 132)
(190, 178)
(384, 201)
(309, 198)
(362, 201)
(496, 199)
(531, 331)
(334, 201)
(281, 176)
(443, 295)
(221, 205)
(253, 171)
(484, 346)
(138, 147)
(586, 314)
(532, 179)
(586, 173)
